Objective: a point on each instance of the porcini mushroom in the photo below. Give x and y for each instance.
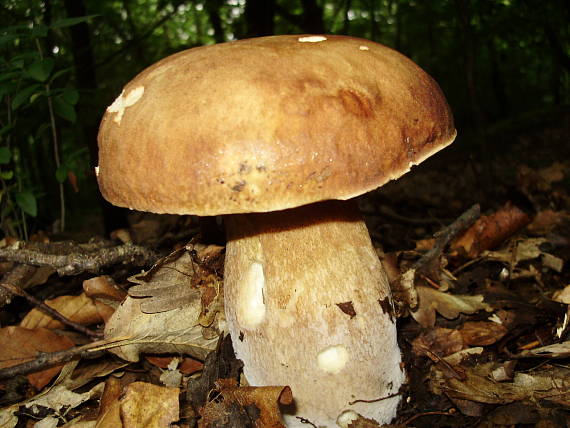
(278, 134)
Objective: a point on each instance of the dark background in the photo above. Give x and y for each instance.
(503, 65)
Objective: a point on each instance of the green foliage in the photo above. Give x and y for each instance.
(37, 123)
(494, 60)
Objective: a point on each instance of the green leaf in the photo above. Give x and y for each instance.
(7, 128)
(6, 88)
(61, 173)
(7, 175)
(68, 22)
(64, 110)
(39, 30)
(5, 155)
(70, 95)
(41, 70)
(27, 202)
(24, 96)
(8, 38)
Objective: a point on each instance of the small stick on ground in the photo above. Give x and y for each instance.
(446, 235)
(78, 259)
(50, 311)
(45, 360)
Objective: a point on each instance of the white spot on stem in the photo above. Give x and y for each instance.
(96, 171)
(122, 102)
(364, 48)
(332, 359)
(251, 307)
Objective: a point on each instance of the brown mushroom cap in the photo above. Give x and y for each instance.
(267, 124)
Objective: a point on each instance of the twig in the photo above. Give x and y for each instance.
(447, 234)
(45, 360)
(50, 311)
(81, 261)
(450, 412)
(374, 400)
(20, 275)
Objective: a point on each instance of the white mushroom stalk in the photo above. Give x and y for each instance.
(309, 306)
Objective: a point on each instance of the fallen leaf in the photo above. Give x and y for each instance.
(148, 405)
(103, 287)
(547, 385)
(19, 344)
(8, 418)
(168, 285)
(172, 332)
(219, 364)
(109, 415)
(490, 231)
(448, 305)
(259, 405)
(557, 350)
(545, 221)
(439, 341)
(80, 309)
(482, 333)
(60, 397)
(187, 365)
(562, 296)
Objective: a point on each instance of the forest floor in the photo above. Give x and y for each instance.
(476, 249)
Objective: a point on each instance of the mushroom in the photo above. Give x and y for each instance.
(279, 134)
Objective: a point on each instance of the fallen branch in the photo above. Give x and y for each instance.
(446, 235)
(50, 311)
(76, 259)
(46, 360)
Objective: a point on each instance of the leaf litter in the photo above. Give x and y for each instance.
(484, 329)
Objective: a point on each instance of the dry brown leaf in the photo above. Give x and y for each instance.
(187, 365)
(80, 309)
(557, 350)
(553, 173)
(60, 398)
(103, 287)
(546, 384)
(8, 418)
(167, 285)
(109, 415)
(447, 305)
(19, 344)
(182, 277)
(562, 296)
(439, 341)
(172, 332)
(148, 405)
(545, 221)
(482, 333)
(265, 399)
(490, 231)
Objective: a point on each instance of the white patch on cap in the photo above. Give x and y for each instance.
(122, 102)
(312, 39)
(364, 48)
(96, 171)
(251, 307)
(332, 359)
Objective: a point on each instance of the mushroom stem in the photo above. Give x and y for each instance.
(308, 305)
